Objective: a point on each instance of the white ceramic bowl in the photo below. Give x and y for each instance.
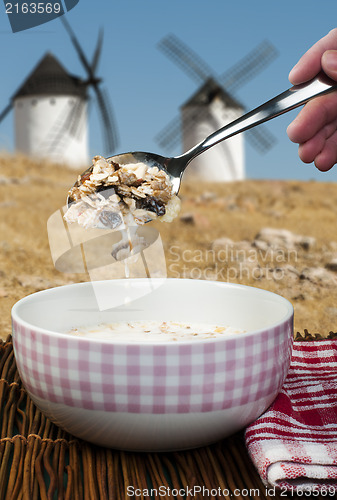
(153, 396)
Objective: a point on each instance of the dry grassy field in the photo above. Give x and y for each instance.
(276, 235)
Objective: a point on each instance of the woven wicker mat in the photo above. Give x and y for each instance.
(40, 461)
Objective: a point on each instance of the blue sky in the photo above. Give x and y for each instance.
(146, 88)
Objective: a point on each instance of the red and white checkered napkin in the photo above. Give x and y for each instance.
(294, 443)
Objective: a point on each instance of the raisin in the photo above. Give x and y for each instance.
(85, 177)
(110, 219)
(115, 165)
(152, 205)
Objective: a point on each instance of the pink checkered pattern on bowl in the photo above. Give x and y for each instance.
(178, 377)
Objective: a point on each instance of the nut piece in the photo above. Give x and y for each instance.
(126, 177)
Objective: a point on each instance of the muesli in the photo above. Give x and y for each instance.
(112, 194)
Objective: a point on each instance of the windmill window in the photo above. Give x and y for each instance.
(52, 102)
(34, 102)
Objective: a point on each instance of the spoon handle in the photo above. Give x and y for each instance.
(288, 100)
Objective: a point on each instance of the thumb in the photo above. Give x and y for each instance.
(329, 63)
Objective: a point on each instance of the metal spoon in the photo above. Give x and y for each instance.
(288, 100)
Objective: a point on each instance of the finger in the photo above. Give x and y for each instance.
(310, 63)
(315, 115)
(309, 150)
(327, 158)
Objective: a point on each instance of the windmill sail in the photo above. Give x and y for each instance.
(186, 58)
(107, 120)
(170, 135)
(248, 67)
(5, 111)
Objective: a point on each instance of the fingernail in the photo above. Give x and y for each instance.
(330, 60)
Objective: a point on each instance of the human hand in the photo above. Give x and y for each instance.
(315, 127)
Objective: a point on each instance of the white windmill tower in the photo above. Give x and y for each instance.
(209, 109)
(50, 110)
(212, 107)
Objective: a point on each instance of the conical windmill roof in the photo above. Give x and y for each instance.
(49, 77)
(208, 92)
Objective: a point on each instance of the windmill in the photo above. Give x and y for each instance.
(50, 109)
(213, 106)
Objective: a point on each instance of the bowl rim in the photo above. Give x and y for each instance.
(57, 334)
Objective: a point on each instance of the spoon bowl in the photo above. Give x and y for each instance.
(148, 159)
